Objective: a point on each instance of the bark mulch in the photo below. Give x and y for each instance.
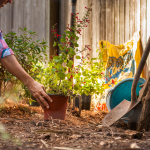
(23, 128)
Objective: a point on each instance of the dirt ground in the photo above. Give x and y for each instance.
(23, 128)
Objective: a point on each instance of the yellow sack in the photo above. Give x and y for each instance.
(121, 61)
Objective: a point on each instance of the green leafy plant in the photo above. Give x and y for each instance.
(89, 79)
(60, 71)
(28, 52)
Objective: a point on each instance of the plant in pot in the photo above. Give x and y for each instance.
(89, 80)
(58, 78)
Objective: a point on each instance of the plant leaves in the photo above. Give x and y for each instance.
(78, 57)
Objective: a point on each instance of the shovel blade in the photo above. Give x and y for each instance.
(116, 113)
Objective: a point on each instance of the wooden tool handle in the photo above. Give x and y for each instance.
(138, 73)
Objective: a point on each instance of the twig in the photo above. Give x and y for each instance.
(46, 145)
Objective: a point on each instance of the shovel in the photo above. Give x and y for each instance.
(125, 106)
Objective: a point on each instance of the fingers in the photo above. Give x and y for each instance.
(38, 91)
(47, 97)
(41, 104)
(43, 101)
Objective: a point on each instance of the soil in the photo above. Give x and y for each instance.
(23, 128)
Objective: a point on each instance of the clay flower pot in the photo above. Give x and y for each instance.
(57, 108)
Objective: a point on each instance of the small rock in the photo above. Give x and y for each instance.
(99, 128)
(134, 145)
(117, 138)
(102, 143)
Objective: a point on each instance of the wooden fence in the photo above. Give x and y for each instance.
(31, 14)
(112, 20)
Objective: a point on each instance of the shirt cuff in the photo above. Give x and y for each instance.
(4, 49)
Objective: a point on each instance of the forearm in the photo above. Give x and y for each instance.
(36, 89)
(12, 65)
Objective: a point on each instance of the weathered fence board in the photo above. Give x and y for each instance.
(117, 22)
(148, 28)
(20, 14)
(98, 26)
(126, 20)
(137, 15)
(143, 26)
(121, 22)
(131, 18)
(18, 6)
(95, 23)
(110, 20)
(5, 20)
(102, 20)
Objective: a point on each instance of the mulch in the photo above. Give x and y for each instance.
(23, 127)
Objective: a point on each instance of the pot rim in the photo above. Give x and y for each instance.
(56, 94)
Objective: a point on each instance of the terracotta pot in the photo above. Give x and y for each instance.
(57, 108)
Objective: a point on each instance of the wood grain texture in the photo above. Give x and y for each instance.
(20, 14)
(117, 22)
(131, 18)
(148, 19)
(127, 20)
(5, 20)
(102, 20)
(148, 29)
(137, 15)
(94, 24)
(17, 14)
(110, 21)
(121, 22)
(143, 25)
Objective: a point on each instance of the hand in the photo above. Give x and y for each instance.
(38, 92)
(36, 89)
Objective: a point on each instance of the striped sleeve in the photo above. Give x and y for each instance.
(4, 49)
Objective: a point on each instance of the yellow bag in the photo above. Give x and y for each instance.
(121, 61)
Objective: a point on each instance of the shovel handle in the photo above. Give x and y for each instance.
(138, 73)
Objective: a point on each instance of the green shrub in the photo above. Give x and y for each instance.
(28, 52)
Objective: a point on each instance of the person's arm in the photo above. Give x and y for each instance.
(9, 61)
(36, 89)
